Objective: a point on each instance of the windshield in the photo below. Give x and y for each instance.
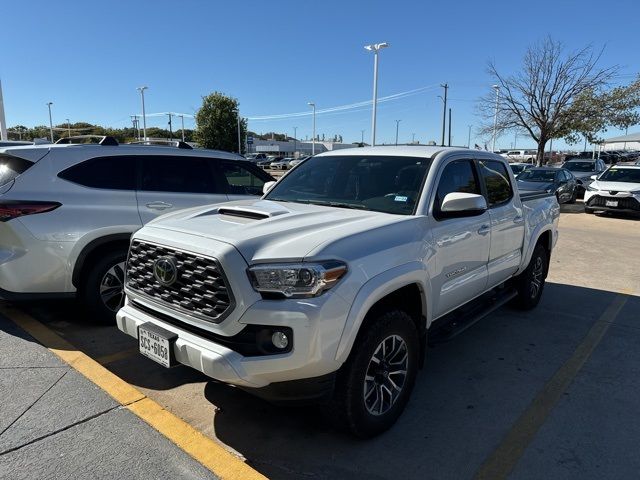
(616, 174)
(538, 176)
(380, 183)
(580, 166)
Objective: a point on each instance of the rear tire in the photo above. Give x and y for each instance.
(530, 283)
(374, 385)
(574, 196)
(102, 292)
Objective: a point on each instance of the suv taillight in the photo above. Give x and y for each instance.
(10, 209)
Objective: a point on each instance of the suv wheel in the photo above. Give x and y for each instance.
(103, 291)
(530, 283)
(374, 385)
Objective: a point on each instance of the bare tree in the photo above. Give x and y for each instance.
(539, 98)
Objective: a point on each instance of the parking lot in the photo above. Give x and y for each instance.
(548, 393)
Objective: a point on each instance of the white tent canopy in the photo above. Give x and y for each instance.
(632, 137)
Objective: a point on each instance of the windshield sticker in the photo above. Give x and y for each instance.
(400, 198)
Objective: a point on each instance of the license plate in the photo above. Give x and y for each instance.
(156, 343)
(611, 203)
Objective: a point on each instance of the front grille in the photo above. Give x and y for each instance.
(200, 287)
(624, 203)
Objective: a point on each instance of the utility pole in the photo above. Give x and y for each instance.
(313, 144)
(68, 128)
(295, 139)
(239, 133)
(444, 111)
(397, 126)
(144, 115)
(182, 125)
(469, 137)
(362, 137)
(449, 144)
(413, 138)
(495, 118)
(170, 126)
(3, 121)
(50, 121)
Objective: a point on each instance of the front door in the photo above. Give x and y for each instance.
(461, 243)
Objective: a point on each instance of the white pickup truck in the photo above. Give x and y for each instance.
(327, 287)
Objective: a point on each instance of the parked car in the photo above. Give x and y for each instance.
(298, 161)
(327, 288)
(67, 211)
(558, 181)
(582, 169)
(282, 164)
(518, 168)
(617, 190)
(521, 155)
(265, 162)
(255, 157)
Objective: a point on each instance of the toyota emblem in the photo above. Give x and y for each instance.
(165, 270)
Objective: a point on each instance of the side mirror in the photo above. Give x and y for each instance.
(593, 177)
(267, 186)
(458, 204)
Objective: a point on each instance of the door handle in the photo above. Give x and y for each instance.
(484, 229)
(159, 205)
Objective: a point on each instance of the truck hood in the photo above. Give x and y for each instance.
(616, 186)
(264, 230)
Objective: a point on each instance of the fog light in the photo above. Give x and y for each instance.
(279, 340)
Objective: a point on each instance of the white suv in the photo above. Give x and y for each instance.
(67, 211)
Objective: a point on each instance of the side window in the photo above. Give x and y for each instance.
(113, 173)
(457, 176)
(240, 180)
(177, 174)
(496, 181)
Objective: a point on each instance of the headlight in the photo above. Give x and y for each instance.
(296, 279)
(592, 189)
(635, 192)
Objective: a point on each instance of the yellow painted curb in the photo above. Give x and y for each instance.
(202, 448)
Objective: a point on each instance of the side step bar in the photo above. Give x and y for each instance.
(456, 322)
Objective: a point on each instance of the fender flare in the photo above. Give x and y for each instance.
(535, 236)
(91, 246)
(374, 290)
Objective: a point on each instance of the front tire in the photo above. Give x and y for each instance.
(102, 293)
(374, 385)
(530, 283)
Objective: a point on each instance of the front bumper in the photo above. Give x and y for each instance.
(316, 323)
(625, 203)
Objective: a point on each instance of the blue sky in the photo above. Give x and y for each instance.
(275, 56)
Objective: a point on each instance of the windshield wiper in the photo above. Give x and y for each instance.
(353, 206)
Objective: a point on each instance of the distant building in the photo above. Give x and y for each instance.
(295, 148)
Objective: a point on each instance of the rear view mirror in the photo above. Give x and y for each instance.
(593, 177)
(463, 204)
(267, 186)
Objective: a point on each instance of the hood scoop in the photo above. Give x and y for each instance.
(256, 211)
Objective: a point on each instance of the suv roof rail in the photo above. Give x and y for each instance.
(163, 143)
(80, 139)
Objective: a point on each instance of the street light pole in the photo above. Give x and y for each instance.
(50, 121)
(182, 124)
(413, 138)
(375, 48)
(295, 139)
(68, 128)
(362, 137)
(397, 126)
(239, 133)
(144, 115)
(170, 126)
(449, 143)
(495, 118)
(469, 137)
(444, 111)
(313, 140)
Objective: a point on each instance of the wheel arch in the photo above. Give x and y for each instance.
(94, 249)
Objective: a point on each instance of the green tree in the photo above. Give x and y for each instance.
(557, 94)
(217, 123)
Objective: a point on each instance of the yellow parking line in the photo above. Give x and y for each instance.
(114, 357)
(202, 448)
(505, 457)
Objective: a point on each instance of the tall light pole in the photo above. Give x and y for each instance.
(413, 138)
(68, 128)
(295, 139)
(3, 120)
(495, 118)
(182, 124)
(469, 137)
(144, 115)
(397, 127)
(50, 121)
(444, 111)
(313, 140)
(375, 48)
(362, 137)
(449, 143)
(239, 133)
(515, 139)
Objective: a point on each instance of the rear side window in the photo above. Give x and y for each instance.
(11, 167)
(113, 173)
(178, 175)
(496, 180)
(457, 177)
(240, 180)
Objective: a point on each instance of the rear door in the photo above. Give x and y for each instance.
(168, 183)
(462, 243)
(507, 221)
